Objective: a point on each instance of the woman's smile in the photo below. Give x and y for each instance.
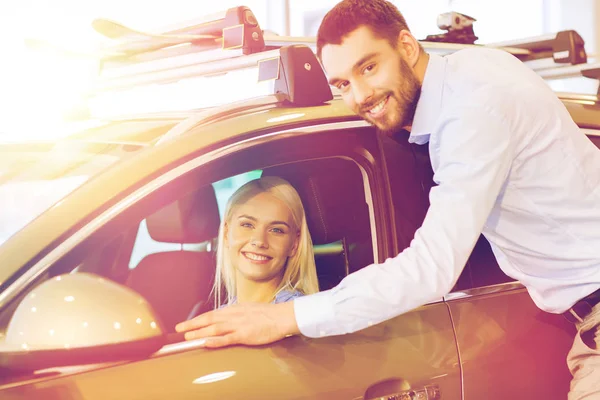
(256, 257)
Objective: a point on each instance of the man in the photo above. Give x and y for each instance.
(509, 163)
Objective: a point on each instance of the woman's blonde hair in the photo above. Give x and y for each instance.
(300, 270)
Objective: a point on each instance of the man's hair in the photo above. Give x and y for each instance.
(380, 16)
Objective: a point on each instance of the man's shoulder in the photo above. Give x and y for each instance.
(490, 75)
(481, 53)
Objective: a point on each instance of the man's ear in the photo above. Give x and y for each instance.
(409, 47)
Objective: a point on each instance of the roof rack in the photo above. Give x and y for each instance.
(234, 40)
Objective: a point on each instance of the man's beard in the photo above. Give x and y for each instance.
(407, 93)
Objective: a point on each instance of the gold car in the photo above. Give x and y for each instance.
(107, 240)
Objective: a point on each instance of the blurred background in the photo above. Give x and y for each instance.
(41, 90)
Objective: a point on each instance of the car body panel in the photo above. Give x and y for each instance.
(504, 341)
(584, 112)
(134, 131)
(407, 348)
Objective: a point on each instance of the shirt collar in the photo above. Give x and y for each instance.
(430, 102)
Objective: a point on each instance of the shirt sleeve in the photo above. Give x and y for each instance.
(475, 150)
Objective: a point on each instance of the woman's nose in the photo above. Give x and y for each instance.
(259, 239)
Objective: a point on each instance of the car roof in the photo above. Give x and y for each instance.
(584, 109)
(147, 129)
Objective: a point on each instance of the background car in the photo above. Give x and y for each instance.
(140, 207)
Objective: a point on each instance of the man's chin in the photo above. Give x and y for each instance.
(386, 128)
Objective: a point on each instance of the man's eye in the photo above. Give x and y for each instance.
(369, 68)
(342, 85)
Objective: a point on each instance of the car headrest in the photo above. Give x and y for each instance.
(332, 205)
(191, 219)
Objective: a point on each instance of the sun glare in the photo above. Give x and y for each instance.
(42, 84)
(48, 66)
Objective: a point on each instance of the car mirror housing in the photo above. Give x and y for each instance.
(79, 318)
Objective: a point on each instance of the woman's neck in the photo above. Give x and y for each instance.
(248, 291)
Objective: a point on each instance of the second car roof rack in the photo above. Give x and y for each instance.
(233, 40)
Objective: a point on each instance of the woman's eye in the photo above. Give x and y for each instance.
(277, 230)
(246, 225)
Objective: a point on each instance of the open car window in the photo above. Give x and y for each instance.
(33, 177)
(182, 218)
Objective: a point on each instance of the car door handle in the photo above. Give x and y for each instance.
(428, 392)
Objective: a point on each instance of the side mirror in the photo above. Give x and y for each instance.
(79, 318)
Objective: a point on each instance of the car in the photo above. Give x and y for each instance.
(115, 227)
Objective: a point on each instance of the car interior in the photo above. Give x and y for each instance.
(481, 268)
(175, 282)
(178, 282)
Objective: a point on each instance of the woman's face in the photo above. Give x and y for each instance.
(260, 236)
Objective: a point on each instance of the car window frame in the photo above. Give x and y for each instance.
(62, 249)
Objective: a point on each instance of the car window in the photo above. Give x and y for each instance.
(408, 171)
(35, 176)
(411, 179)
(183, 217)
(144, 244)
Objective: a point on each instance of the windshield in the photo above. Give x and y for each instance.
(34, 176)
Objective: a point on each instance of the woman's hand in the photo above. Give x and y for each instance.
(248, 324)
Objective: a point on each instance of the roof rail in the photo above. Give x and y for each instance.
(549, 51)
(234, 40)
(236, 28)
(591, 71)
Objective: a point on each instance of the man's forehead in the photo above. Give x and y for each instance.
(338, 58)
(361, 35)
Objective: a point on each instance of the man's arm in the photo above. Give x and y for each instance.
(475, 152)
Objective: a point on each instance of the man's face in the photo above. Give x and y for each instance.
(374, 79)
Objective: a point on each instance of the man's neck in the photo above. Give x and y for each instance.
(420, 69)
(421, 66)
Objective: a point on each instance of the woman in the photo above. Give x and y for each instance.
(265, 251)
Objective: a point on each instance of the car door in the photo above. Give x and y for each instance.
(342, 164)
(508, 348)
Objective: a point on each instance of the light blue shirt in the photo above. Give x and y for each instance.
(509, 163)
(281, 297)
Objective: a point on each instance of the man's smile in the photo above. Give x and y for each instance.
(378, 109)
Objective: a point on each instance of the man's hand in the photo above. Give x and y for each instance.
(249, 324)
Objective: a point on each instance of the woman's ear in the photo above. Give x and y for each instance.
(225, 232)
(294, 249)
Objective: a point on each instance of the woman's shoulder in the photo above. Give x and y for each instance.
(287, 295)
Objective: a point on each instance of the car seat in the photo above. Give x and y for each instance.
(332, 193)
(174, 282)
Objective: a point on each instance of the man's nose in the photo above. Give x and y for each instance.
(363, 93)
